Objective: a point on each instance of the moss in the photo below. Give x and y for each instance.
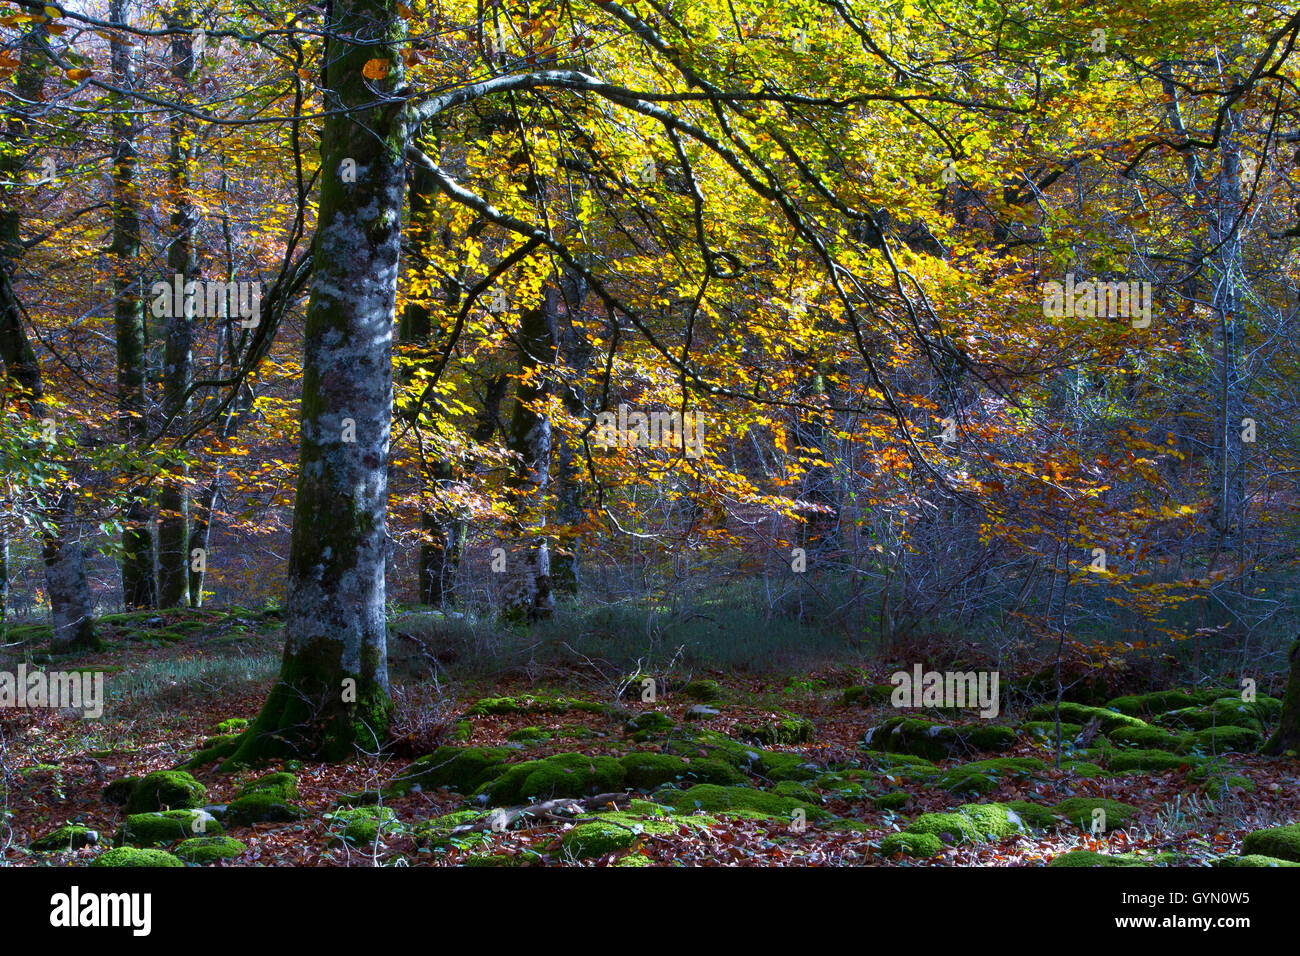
(708, 743)
(1160, 702)
(906, 765)
(503, 859)
(650, 723)
(983, 776)
(784, 731)
(868, 695)
(1083, 713)
(209, 849)
(1224, 739)
(232, 725)
(530, 704)
(790, 788)
(166, 790)
(706, 691)
(282, 786)
(990, 737)
(130, 856)
(1078, 810)
(218, 750)
(529, 735)
(463, 769)
(894, 800)
(911, 844)
(621, 830)
(119, 791)
(634, 859)
(1083, 768)
(739, 801)
(561, 775)
(1225, 712)
(993, 821)
(645, 771)
(69, 837)
(1091, 858)
(1253, 860)
(922, 738)
(167, 826)
(437, 832)
(1034, 815)
(1046, 730)
(847, 826)
(363, 826)
(262, 807)
(1281, 842)
(1121, 761)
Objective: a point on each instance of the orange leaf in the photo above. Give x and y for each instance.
(375, 69)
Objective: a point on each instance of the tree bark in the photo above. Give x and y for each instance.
(332, 695)
(139, 584)
(1287, 735)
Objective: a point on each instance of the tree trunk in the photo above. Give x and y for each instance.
(1287, 736)
(65, 577)
(575, 351)
(332, 695)
(139, 585)
(173, 499)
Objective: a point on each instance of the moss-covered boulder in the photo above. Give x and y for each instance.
(209, 849)
(364, 826)
(535, 704)
(1124, 761)
(983, 776)
(282, 786)
(1280, 842)
(893, 800)
(1091, 858)
(971, 823)
(709, 743)
(1225, 712)
(705, 691)
(1079, 811)
(463, 769)
(1223, 739)
(1032, 814)
(166, 826)
(166, 790)
(645, 771)
(616, 831)
(1161, 702)
(561, 775)
(911, 844)
(785, 730)
(647, 724)
(1108, 720)
(1046, 730)
(69, 837)
(440, 831)
(524, 858)
(131, 856)
(922, 738)
(262, 806)
(1148, 738)
(738, 801)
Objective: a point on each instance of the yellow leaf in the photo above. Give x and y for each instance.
(78, 74)
(375, 69)
(53, 12)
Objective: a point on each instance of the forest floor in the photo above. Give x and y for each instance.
(779, 775)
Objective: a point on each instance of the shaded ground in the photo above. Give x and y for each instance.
(779, 776)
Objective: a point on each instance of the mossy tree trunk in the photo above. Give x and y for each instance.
(1287, 735)
(139, 584)
(575, 352)
(332, 694)
(173, 498)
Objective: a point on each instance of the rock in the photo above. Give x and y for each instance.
(703, 690)
(166, 790)
(701, 712)
(261, 806)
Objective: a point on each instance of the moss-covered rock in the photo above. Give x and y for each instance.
(894, 800)
(911, 844)
(1079, 811)
(1224, 712)
(705, 691)
(69, 837)
(1123, 761)
(1223, 739)
(463, 769)
(922, 738)
(1254, 860)
(1280, 842)
(738, 801)
(524, 858)
(708, 743)
(262, 806)
(1092, 858)
(561, 775)
(166, 790)
(118, 792)
(1148, 738)
(131, 856)
(209, 849)
(971, 823)
(616, 831)
(982, 776)
(1081, 714)
(530, 704)
(648, 723)
(282, 786)
(1046, 730)
(166, 826)
(645, 771)
(232, 725)
(440, 831)
(1032, 814)
(1161, 702)
(363, 826)
(529, 735)
(781, 731)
